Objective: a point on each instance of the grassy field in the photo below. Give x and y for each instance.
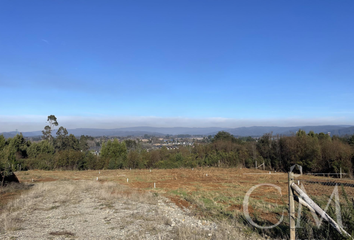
(219, 189)
(211, 193)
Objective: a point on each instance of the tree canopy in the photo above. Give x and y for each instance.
(47, 132)
(224, 136)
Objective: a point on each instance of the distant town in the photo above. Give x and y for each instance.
(149, 142)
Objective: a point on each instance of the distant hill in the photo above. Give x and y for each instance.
(175, 130)
(118, 132)
(8, 134)
(255, 131)
(259, 131)
(343, 131)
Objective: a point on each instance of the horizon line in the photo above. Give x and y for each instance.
(298, 126)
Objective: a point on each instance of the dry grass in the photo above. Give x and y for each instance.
(62, 193)
(211, 190)
(212, 193)
(110, 191)
(11, 191)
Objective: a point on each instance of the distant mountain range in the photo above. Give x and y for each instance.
(339, 130)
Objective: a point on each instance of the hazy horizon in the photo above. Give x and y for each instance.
(37, 123)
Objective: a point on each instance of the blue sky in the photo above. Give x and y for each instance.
(176, 63)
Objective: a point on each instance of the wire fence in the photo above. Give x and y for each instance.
(333, 193)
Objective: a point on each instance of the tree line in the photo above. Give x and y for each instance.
(314, 152)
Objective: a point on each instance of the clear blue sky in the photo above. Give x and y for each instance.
(262, 62)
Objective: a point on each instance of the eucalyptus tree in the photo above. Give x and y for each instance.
(61, 140)
(47, 132)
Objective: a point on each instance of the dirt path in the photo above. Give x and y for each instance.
(93, 210)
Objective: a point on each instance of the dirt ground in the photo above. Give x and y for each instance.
(206, 191)
(88, 209)
(227, 182)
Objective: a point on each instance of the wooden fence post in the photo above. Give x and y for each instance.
(291, 207)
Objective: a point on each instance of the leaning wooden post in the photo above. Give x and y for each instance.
(291, 207)
(319, 211)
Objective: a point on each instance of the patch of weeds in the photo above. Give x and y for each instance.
(17, 228)
(109, 205)
(15, 187)
(63, 202)
(207, 201)
(52, 208)
(126, 223)
(77, 201)
(125, 208)
(139, 179)
(62, 233)
(180, 192)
